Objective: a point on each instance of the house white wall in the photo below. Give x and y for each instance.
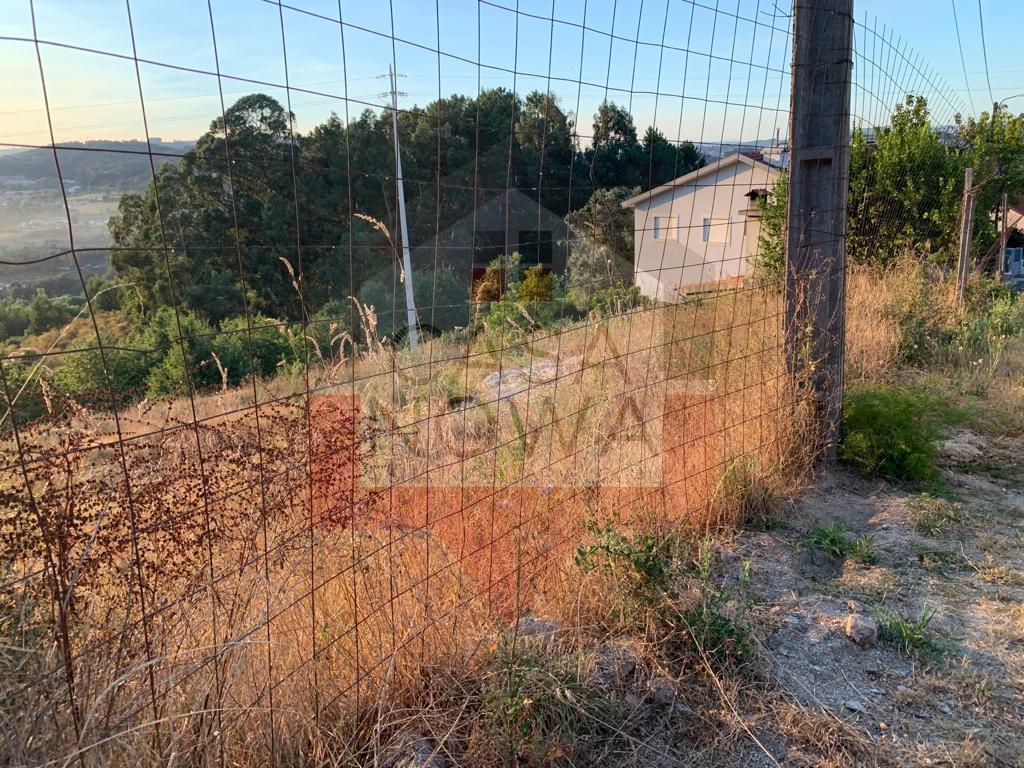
(698, 256)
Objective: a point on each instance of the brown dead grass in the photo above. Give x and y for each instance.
(182, 591)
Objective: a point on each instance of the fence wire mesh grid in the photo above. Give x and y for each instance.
(356, 389)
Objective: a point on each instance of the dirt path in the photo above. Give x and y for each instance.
(950, 692)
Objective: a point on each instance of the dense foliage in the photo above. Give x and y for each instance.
(906, 188)
(256, 217)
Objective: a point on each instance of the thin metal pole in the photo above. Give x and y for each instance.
(410, 302)
(1003, 235)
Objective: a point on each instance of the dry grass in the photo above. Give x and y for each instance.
(177, 591)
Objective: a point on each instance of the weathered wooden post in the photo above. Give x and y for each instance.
(966, 228)
(819, 141)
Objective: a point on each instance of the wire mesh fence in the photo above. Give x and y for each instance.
(248, 506)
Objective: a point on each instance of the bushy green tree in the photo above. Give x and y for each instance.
(14, 318)
(107, 379)
(601, 249)
(994, 147)
(45, 313)
(442, 300)
(769, 263)
(261, 351)
(183, 359)
(905, 189)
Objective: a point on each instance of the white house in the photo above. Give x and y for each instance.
(698, 232)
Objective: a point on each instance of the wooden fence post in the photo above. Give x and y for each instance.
(966, 225)
(819, 144)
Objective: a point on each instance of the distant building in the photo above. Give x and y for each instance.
(1012, 269)
(700, 231)
(506, 222)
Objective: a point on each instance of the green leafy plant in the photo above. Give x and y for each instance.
(536, 706)
(830, 539)
(890, 433)
(641, 564)
(716, 625)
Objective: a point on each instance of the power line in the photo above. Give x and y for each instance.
(984, 51)
(963, 62)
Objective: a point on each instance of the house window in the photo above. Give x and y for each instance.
(536, 246)
(666, 228)
(716, 231)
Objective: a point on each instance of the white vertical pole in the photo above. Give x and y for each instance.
(410, 303)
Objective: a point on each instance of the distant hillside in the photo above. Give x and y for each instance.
(92, 165)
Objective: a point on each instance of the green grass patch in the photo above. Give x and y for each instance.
(890, 433)
(863, 550)
(830, 539)
(912, 636)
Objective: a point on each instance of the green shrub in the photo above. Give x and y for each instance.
(45, 313)
(442, 300)
(639, 567)
(180, 357)
(14, 319)
(27, 397)
(717, 625)
(889, 433)
(536, 706)
(106, 380)
(269, 347)
(615, 300)
(538, 284)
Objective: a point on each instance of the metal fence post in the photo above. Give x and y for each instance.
(819, 142)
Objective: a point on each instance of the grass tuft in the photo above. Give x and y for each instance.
(830, 539)
(911, 636)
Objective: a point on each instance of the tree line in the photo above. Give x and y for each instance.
(255, 218)
(906, 189)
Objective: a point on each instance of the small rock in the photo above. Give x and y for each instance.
(662, 692)
(862, 629)
(854, 706)
(663, 695)
(944, 709)
(411, 749)
(537, 627)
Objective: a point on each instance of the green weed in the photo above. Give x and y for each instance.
(863, 550)
(536, 706)
(830, 539)
(913, 637)
(889, 433)
(716, 624)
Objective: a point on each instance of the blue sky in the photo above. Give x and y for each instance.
(697, 72)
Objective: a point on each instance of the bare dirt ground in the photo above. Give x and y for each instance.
(956, 697)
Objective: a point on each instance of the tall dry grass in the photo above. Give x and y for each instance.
(174, 593)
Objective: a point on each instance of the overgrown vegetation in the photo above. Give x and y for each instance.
(889, 432)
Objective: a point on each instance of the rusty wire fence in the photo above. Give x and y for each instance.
(252, 494)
